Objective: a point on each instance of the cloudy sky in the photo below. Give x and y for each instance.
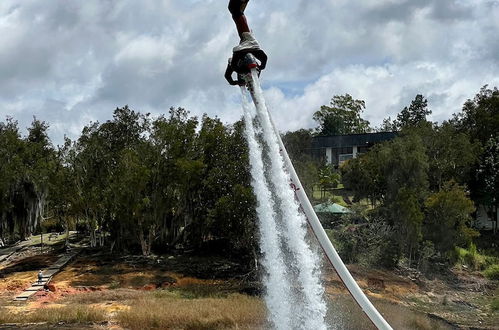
(72, 62)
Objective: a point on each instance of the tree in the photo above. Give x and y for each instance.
(298, 145)
(451, 154)
(328, 179)
(364, 176)
(448, 216)
(394, 173)
(413, 115)
(12, 172)
(488, 178)
(64, 195)
(342, 116)
(480, 116)
(40, 164)
(388, 125)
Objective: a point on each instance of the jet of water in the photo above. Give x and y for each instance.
(277, 285)
(309, 311)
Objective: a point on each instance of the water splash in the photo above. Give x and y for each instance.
(277, 285)
(306, 303)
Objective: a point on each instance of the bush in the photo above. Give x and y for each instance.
(470, 257)
(495, 304)
(473, 258)
(492, 272)
(370, 244)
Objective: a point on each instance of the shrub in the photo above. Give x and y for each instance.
(369, 243)
(495, 304)
(492, 272)
(471, 258)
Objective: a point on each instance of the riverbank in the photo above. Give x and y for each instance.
(100, 290)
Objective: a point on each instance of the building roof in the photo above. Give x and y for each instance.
(350, 140)
(331, 208)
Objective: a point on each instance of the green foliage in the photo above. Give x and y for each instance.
(387, 125)
(451, 154)
(137, 182)
(298, 145)
(328, 179)
(369, 242)
(342, 116)
(413, 115)
(492, 272)
(480, 115)
(399, 169)
(494, 305)
(448, 214)
(363, 176)
(409, 180)
(473, 259)
(488, 176)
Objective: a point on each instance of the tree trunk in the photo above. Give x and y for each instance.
(145, 243)
(66, 243)
(93, 240)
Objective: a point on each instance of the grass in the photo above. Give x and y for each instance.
(68, 314)
(162, 311)
(95, 297)
(494, 305)
(475, 260)
(36, 239)
(492, 272)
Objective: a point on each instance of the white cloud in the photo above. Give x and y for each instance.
(70, 62)
(385, 89)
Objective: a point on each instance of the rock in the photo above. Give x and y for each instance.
(149, 287)
(50, 287)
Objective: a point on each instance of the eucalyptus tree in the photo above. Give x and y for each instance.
(40, 161)
(488, 179)
(479, 117)
(175, 171)
(342, 116)
(11, 174)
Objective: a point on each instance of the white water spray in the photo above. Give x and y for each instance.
(309, 309)
(277, 286)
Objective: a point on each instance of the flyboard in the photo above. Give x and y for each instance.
(248, 73)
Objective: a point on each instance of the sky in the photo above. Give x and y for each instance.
(72, 62)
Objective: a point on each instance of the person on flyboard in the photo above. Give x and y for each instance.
(240, 62)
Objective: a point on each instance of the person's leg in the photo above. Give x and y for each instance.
(236, 8)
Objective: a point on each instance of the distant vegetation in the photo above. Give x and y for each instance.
(416, 194)
(132, 183)
(138, 184)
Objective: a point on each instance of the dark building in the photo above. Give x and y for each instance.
(335, 149)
